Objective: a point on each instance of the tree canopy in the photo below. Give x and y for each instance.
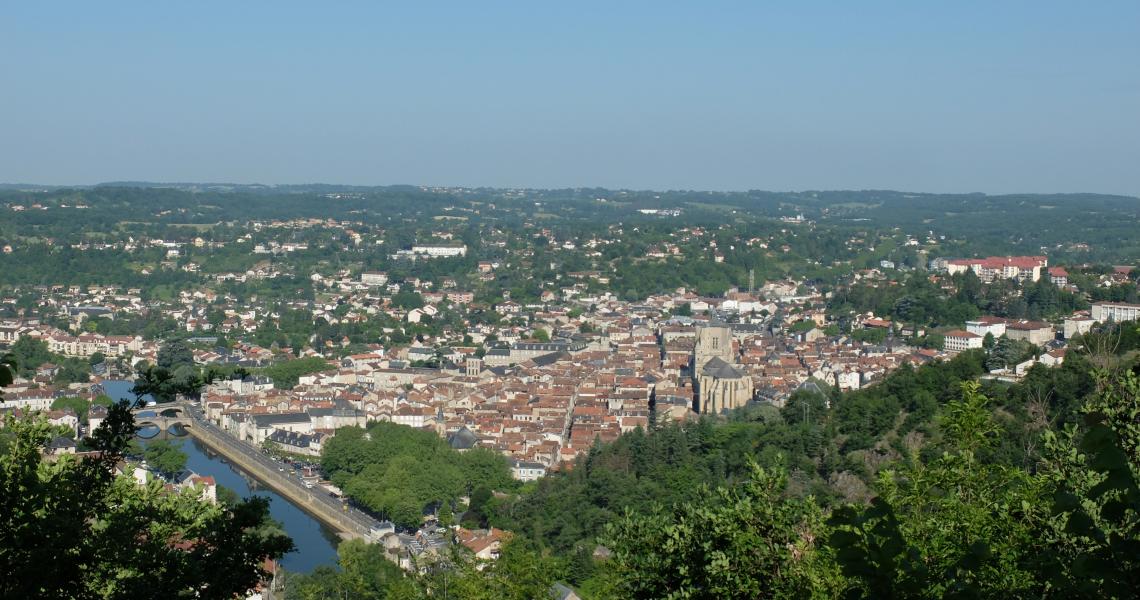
(71, 528)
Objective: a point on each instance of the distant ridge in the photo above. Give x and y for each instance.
(323, 188)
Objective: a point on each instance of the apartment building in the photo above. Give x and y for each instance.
(1115, 311)
(959, 341)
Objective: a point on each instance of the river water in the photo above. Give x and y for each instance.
(315, 543)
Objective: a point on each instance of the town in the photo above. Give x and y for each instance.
(536, 343)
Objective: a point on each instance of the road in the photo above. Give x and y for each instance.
(362, 521)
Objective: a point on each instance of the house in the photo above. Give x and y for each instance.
(296, 443)
(61, 445)
(484, 543)
(1058, 276)
(524, 470)
(95, 416)
(260, 427)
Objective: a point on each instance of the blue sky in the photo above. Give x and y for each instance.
(956, 96)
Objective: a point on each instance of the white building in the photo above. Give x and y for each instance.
(983, 325)
(439, 250)
(524, 470)
(959, 341)
(1077, 325)
(1104, 312)
(373, 278)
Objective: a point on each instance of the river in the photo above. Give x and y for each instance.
(315, 543)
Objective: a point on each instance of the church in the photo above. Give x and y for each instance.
(718, 380)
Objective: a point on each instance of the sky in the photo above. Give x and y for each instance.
(961, 96)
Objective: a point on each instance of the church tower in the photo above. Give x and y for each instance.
(712, 342)
(719, 384)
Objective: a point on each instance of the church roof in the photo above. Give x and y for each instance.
(716, 367)
(462, 439)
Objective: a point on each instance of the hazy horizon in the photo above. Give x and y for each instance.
(177, 184)
(1022, 97)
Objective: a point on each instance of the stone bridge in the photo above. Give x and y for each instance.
(162, 416)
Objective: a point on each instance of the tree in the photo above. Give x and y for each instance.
(70, 528)
(747, 541)
(286, 374)
(29, 353)
(174, 354)
(988, 341)
(164, 456)
(8, 368)
(483, 467)
(365, 573)
(954, 526)
(521, 572)
(96, 358)
(476, 517)
(79, 406)
(271, 447)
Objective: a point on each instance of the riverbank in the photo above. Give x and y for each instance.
(315, 542)
(303, 498)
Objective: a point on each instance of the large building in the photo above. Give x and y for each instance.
(987, 324)
(1034, 332)
(959, 341)
(712, 342)
(1104, 312)
(720, 384)
(374, 278)
(1020, 268)
(439, 250)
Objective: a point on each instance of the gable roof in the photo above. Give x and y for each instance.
(716, 367)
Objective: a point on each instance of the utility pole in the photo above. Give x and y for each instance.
(751, 280)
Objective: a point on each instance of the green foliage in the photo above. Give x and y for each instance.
(1007, 353)
(876, 335)
(365, 573)
(746, 541)
(286, 374)
(29, 353)
(401, 472)
(167, 386)
(407, 299)
(165, 456)
(70, 528)
(922, 302)
(934, 530)
(174, 354)
(79, 406)
(521, 572)
(8, 368)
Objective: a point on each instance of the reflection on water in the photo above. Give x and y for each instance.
(315, 543)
